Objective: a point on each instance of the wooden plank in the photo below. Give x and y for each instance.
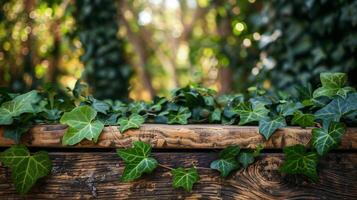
(180, 136)
(96, 174)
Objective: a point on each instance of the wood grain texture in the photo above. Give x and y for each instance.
(180, 136)
(95, 175)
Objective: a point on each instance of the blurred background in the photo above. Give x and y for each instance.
(143, 48)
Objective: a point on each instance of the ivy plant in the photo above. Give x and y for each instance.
(26, 169)
(327, 111)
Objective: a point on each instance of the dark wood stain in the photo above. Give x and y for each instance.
(95, 175)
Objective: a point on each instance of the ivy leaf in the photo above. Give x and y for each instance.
(138, 152)
(251, 113)
(325, 139)
(228, 161)
(298, 161)
(134, 121)
(184, 178)
(81, 125)
(337, 108)
(332, 84)
(268, 126)
(229, 152)
(19, 105)
(289, 108)
(303, 120)
(99, 106)
(225, 166)
(216, 115)
(246, 159)
(15, 132)
(26, 168)
(137, 161)
(179, 117)
(133, 171)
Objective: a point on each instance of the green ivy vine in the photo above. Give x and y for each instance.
(329, 108)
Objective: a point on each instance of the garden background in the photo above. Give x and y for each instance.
(140, 49)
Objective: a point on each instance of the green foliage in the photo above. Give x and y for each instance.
(332, 84)
(26, 168)
(134, 121)
(251, 113)
(184, 178)
(298, 161)
(227, 162)
(106, 70)
(304, 38)
(193, 104)
(289, 108)
(338, 108)
(17, 106)
(180, 116)
(302, 119)
(82, 125)
(268, 126)
(246, 159)
(326, 138)
(137, 161)
(230, 158)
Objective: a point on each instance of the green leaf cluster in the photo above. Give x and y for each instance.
(232, 157)
(298, 161)
(138, 161)
(330, 112)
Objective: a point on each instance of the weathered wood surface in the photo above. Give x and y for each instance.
(95, 175)
(180, 136)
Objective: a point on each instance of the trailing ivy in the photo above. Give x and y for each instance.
(329, 109)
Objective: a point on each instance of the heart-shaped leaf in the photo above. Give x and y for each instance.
(229, 152)
(225, 166)
(134, 171)
(227, 162)
(298, 161)
(289, 108)
(246, 159)
(325, 139)
(179, 117)
(250, 113)
(333, 84)
(26, 168)
(216, 115)
(268, 126)
(19, 105)
(184, 178)
(337, 108)
(82, 125)
(134, 121)
(303, 120)
(137, 161)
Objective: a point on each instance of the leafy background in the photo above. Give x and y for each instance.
(140, 49)
(87, 58)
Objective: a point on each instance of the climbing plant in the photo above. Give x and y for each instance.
(301, 39)
(105, 68)
(328, 109)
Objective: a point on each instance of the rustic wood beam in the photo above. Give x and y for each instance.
(89, 175)
(179, 136)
